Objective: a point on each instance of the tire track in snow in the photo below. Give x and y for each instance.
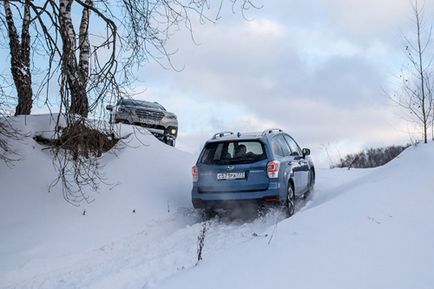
(161, 249)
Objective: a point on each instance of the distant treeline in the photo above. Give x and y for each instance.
(370, 158)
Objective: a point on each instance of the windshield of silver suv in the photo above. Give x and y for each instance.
(131, 102)
(233, 152)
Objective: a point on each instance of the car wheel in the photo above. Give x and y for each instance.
(170, 142)
(121, 121)
(290, 201)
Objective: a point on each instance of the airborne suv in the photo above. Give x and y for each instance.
(151, 115)
(267, 167)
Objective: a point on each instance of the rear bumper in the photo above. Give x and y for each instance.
(223, 200)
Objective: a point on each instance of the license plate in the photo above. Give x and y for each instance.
(231, 176)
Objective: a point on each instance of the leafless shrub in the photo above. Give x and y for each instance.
(415, 95)
(76, 150)
(370, 158)
(7, 134)
(7, 131)
(81, 140)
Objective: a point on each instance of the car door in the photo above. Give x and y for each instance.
(301, 165)
(286, 162)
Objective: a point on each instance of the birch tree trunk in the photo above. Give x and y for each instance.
(72, 71)
(421, 72)
(84, 56)
(20, 58)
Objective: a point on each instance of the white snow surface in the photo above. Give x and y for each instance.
(361, 228)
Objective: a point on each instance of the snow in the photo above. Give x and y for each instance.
(362, 228)
(35, 223)
(375, 231)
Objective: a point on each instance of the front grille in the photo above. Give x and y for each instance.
(149, 114)
(155, 126)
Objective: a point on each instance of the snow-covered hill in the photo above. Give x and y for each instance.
(145, 175)
(374, 232)
(360, 229)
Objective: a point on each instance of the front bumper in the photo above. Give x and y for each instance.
(161, 129)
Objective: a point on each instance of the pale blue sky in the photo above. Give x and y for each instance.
(317, 69)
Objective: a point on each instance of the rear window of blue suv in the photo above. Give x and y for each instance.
(233, 152)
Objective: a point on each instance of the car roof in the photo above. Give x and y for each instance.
(230, 136)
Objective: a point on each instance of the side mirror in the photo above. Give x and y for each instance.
(109, 107)
(305, 152)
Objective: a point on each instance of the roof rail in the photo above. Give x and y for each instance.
(222, 134)
(271, 130)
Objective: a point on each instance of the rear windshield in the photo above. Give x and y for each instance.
(233, 152)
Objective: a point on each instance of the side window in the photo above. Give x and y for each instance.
(275, 147)
(279, 146)
(295, 149)
(283, 145)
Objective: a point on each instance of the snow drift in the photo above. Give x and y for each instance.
(362, 228)
(376, 232)
(145, 175)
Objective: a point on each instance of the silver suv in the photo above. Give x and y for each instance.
(151, 115)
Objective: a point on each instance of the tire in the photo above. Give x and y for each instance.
(170, 142)
(120, 121)
(289, 205)
(311, 184)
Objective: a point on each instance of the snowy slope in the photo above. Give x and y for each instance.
(146, 176)
(368, 229)
(374, 232)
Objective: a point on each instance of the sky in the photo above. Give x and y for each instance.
(320, 70)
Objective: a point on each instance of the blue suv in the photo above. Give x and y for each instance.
(260, 168)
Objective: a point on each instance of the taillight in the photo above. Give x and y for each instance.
(195, 173)
(273, 169)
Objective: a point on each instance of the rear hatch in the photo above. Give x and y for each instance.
(233, 166)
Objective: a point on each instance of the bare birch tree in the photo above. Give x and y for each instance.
(20, 54)
(416, 94)
(96, 63)
(75, 72)
(100, 67)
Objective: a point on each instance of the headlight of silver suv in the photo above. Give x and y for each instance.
(173, 131)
